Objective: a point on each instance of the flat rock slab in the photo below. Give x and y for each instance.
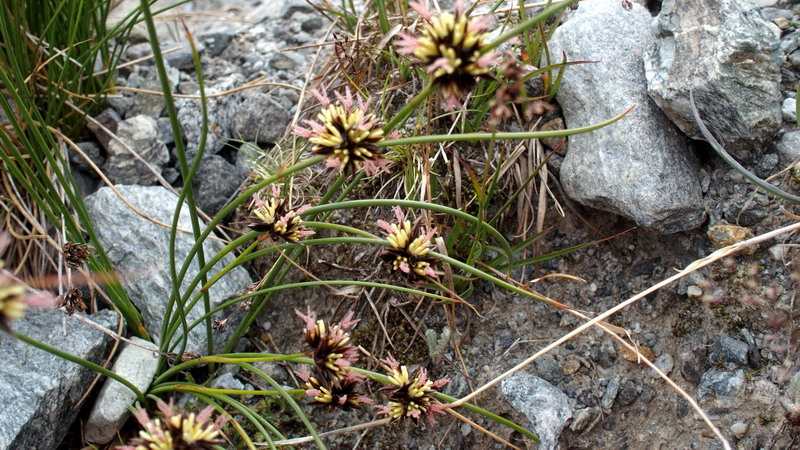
(136, 363)
(39, 390)
(139, 250)
(726, 53)
(640, 167)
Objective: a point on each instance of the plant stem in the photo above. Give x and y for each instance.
(475, 137)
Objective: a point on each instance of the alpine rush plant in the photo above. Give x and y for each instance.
(354, 136)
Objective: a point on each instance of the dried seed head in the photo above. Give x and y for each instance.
(74, 254)
(276, 218)
(346, 134)
(72, 300)
(408, 248)
(411, 396)
(450, 47)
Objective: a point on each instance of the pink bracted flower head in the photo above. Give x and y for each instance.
(277, 219)
(410, 396)
(331, 348)
(346, 134)
(176, 429)
(409, 248)
(452, 48)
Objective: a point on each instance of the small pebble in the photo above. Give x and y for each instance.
(694, 291)
(788, 110)
(740, 429)
(633, 357)
(723, 234)
(571, 366)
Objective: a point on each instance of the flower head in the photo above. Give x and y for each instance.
(277, 218)
(411, 396)
(450, 48)
(408, 248)
(341, 393)
(176, 430)
(12, 301)
(330, 345)
(346, 134)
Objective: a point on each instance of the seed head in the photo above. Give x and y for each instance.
(72, 300)
(408, 248)
(450, 47)
(346, 134)
(411, 396)
(74, 254)
(276, 218)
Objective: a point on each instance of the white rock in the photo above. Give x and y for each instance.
(788, 110)
(135, 363)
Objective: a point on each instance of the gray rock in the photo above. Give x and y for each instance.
(217, 41)
(766, 165)
(259, 119)
(183, 59)
(789, 42)
(215, 182)
(312, 25)
(630, 392)
(227, 381)
(693, 358)
(612, 389)
(641, 166)
(290, 7)
(664, 363)
(788, 110)
(140, 250)
(772, 14)
(542, 403)
(549, 369)
(38, 390)
(149, 104)
(794, 59)
(135, 364)
(740, 429)
(121, 104)
(191, 118)
(140, 133)
(109, 119)
(92, 150)
(789, 148)
(729, 56)
(282, 61)
(165, 130)
(730, 351)
(716, 384)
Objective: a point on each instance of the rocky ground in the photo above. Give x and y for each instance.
(726, 334)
